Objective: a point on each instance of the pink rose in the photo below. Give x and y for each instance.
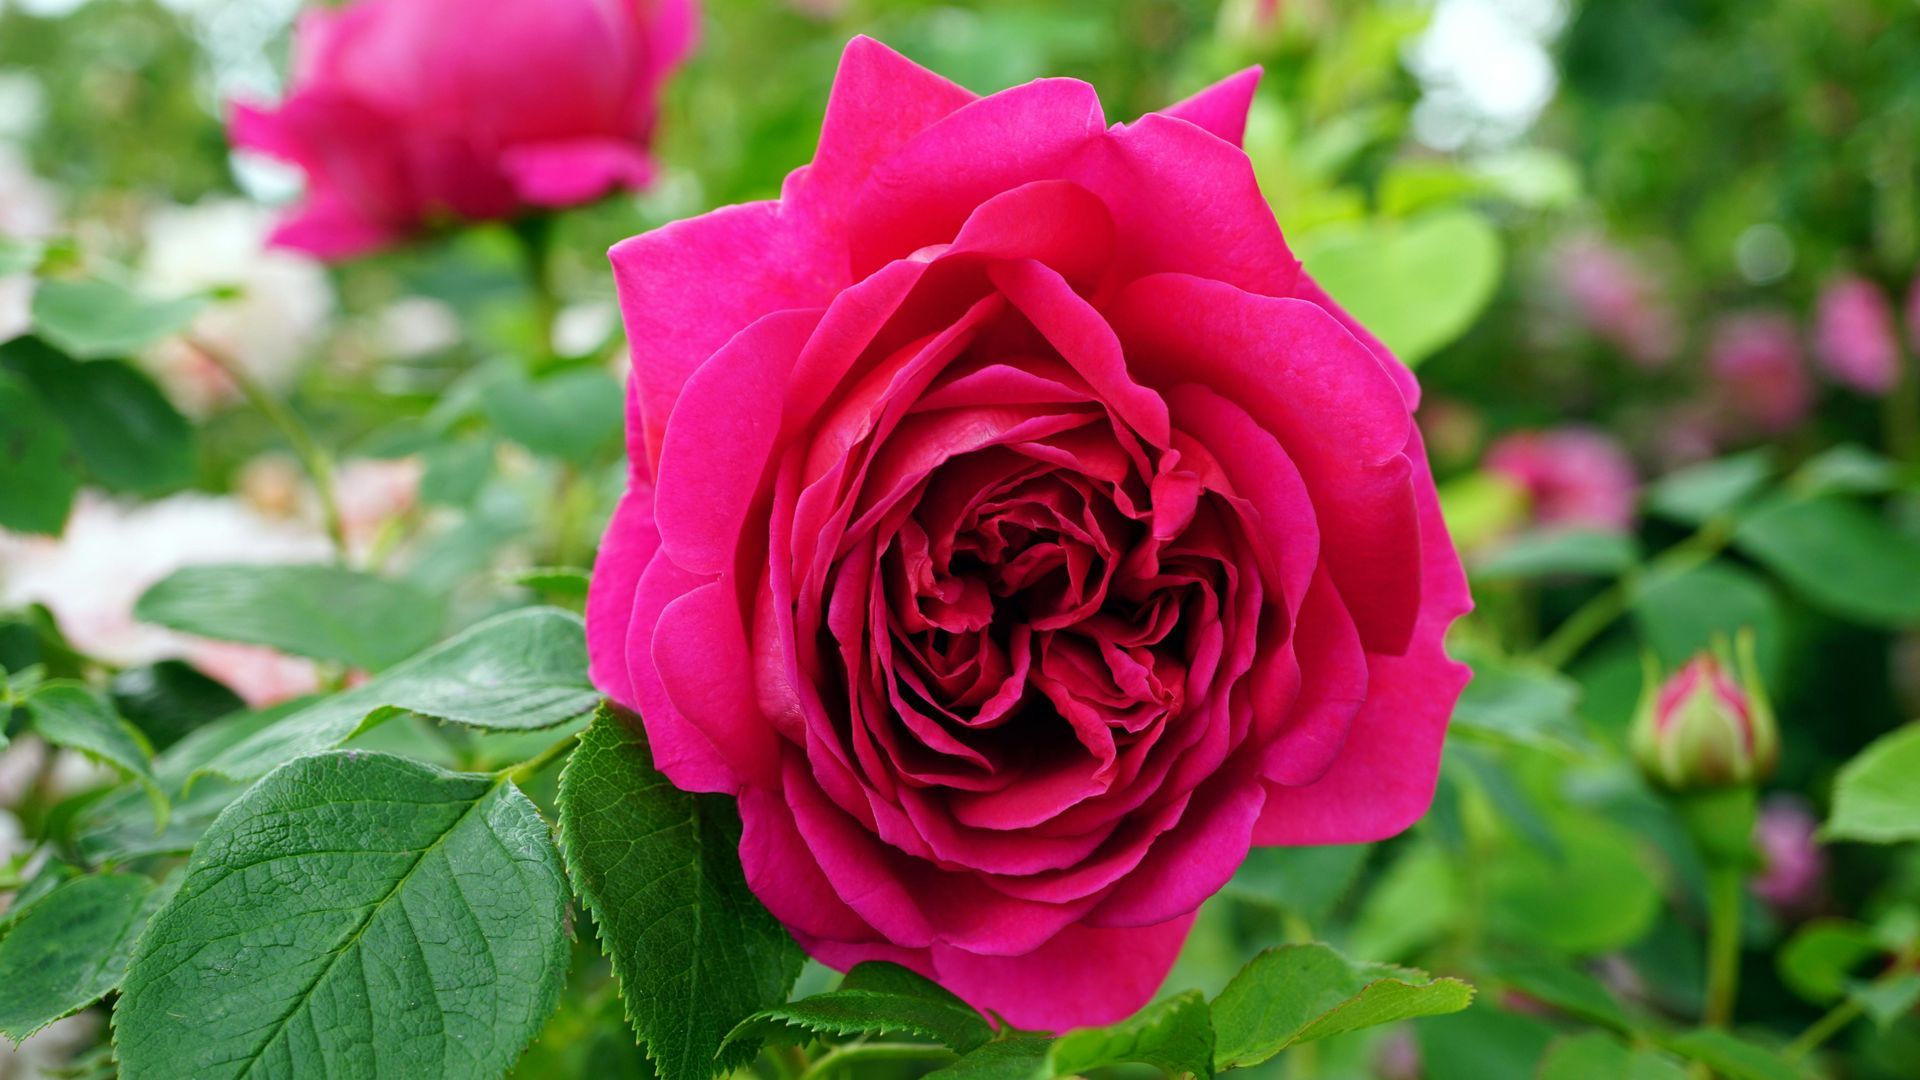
(403, 111)
(1795, 867)
(1754, 361)
(1617, 300)
(1574, 476)
(1854, 335)
(1021, 536)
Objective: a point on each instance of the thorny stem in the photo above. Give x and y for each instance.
(313, 459)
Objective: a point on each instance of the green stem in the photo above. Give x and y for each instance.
(1901, 415)
(535, 235)
(1596, 615)
(1726, 888)
(873, 1051)
(531, 767)
(318, 466)
(1817, 1033)
(789, 1061)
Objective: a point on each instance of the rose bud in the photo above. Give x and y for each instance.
(1794, 868)
(1020, 536)
(1854, 335)
(1574, 476)
(405, 112)
(1754, 362)
(1700, 729)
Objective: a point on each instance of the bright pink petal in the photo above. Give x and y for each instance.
(1083, 976)
(572, 171)
(1222, 107)
(629, 546)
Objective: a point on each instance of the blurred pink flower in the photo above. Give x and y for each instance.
(1756, 370)
(1575, 476)
(110, 553)
(373, 491)
(1854, 335)
(1619, 301)
(1795, 867)
(403, 111)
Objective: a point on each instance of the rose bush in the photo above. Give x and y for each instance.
(401, 112)
(1020, 535)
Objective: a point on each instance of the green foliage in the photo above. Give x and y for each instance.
(1840, 556)
(1417, 284)
(875, 999)
(519, 671)
(1559, 552)
(70, 948)
(93, 319)
(38, 464)
(659, 870)
(431, 940)
(1299, 993)
(1174, 1035)
(1875, 798)
(75, 716)
(124, 430)
(326, 612)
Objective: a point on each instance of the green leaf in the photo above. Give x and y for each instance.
(1174, 1035)
(875, 999)
(90, 319)
(1298, 993)
(354, 913)
(566, 581)
(1698, 493)
(39, 469)
(1840, 556)
(1418, 284)
(1596, 1055)
(1818, 962)
(73, 715)
(1847, 469)
(1559, 553)
(1888, 1000)
(1600, 893)
(322, 611)
(70, 949)
(1482, 1043)
(124, 429)
(169, 699)
(1521, 704)
(659, 869)
(573, 415)
(1679, 615)
(455, 471)
(20, 256)
(1307, 881)
(1875, 799)
(519, 671)
(1565, 988)
(1020, 1058)
(1731, 1056)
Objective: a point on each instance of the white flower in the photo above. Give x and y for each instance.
(274, 321)
(111, 553)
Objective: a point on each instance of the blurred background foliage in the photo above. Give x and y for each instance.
(1551, 207)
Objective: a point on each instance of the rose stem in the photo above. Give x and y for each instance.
(1586, 623)
(1726, 885)
(314, 460)
(876, 1051)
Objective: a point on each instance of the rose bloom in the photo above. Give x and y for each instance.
(1795, 868)
(403, 111)
(1854, 335)
(1754, 362)
(1020, 536)
(1619, 301)
(1574, 476)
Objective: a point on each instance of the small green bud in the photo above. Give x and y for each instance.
(1701, 729)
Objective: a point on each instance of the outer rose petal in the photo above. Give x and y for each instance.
(750, 260)
(630, 543)
(1383, 780)
(570, 171)
(1083, 976)
(1222, 107)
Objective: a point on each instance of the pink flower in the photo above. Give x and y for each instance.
(1795, 867)
(1754, 361)
(1575, 476)
(1854, 335)
(1619, 301)
(404, 111)
(1020, 536)
(1701, 729)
